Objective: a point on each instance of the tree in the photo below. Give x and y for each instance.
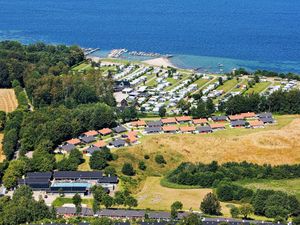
(142, 165)
(234, 211)
(77, 202)
(107, 201)
(10, 142)
(210, 107)
(162, 111)
(130, 202)
(15, 170)
(296, 220)
(174, 208)
(110, 171)
(191, 219)
(160, 159)
(246, 210)
(97, 161)
(102, 221)
(128, 170)
(211, 205)
(2, 120)
(220, 79)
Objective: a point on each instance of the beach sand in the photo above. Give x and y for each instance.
(165, 62)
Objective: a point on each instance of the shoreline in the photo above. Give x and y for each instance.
(161, 61)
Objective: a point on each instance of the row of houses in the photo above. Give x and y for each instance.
(153, 217)
(68, 181)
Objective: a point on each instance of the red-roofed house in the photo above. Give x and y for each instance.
(236, 117)
(170, 129)
(91, 133)
(200, 121)
(183, 119)
(248, 115)
(74, 141)
(100, 144)
(256, 123)
(217, 126)
(132, 133)
(187, 129)
(169, 121)
(105, 131)
(131, 139)
(139, 123)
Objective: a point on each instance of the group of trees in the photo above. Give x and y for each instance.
(264, 202)
(278, 102)
(203, 108)
(208, 175)
(22, 208)
(101, 198)
(99, 159)
(25, 63)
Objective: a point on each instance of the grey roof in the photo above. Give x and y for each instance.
(119, 129)
(154, 123)
(39, 175)
(29, 181)
(72, 210)
(236, 123)
(77, 175)
(110, 180)
(219, 118)
(203, 129)
(68, 147)
(155, 129)
(118, 143)
(159, 215)
(267, 119)
(216, 221)
(121, 213)
(88, 139)
(264, 115)
(158, 223)
(92, 149)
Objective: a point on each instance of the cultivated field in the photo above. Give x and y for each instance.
(156, 197)
(8, 101)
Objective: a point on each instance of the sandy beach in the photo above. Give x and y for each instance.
(165, 62)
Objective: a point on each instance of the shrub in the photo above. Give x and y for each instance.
(128, 170)
(160, 159)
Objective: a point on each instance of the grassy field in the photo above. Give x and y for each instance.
(290, 186)
(8, 100)
(228, 85)
(60, 201)
(258, 88)
(157, 197)
(85, 166)
(275, 144)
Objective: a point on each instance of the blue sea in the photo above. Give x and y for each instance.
(255, 34)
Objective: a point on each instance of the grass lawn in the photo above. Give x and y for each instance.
(228, 85)
(85, 166)
(60, 201)
(241, 83)
(59, 157)
(157, 197)
(258, 88)
(290, 186)
(201, 82)
(177, 82)
(82, 66)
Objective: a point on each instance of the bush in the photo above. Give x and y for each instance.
(142, 165)
(160, 159)
(128, 170)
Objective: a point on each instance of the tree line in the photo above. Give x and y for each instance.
(209, 175)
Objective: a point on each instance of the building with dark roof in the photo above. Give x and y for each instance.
(88, 139)
(35, 183)
(219, 118)
(154, 129)
(71, 211)
(121, 213)
(92, 149)
(67, 147)
(119, 129)
(238, 123)
(154, 123)
(118, 143)
(265, 115)
(267, 119)
(108, 180)
(77, 175)
(204, 129)
(39, 175)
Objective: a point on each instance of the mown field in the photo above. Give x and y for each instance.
(290, 186)
(8, 100)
